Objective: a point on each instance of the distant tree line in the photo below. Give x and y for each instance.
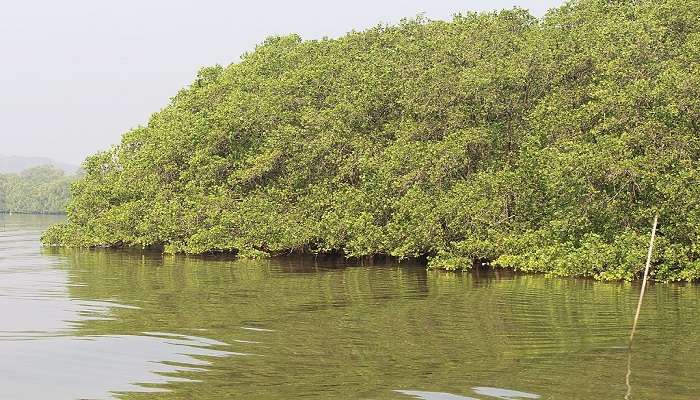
(544, 145)
(38, 190)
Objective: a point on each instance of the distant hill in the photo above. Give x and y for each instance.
(15, 164)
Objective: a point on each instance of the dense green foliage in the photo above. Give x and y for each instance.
(38, 190)
(543, 145)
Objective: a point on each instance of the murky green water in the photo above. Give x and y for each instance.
(106, 324)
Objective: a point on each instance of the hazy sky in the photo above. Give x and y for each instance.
(76, 74)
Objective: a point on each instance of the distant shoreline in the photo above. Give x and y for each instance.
(10, 164)
(31, 213)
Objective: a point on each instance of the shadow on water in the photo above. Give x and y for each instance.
(140, 325)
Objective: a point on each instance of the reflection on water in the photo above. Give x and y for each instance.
(504, 394)
(417, 394)
(95, 366)
(497, 393)
(133, 325)
(43, 357)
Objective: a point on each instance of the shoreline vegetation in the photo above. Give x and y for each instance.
(542, 145)
(37, 190)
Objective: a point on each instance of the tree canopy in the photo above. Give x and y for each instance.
(38, 190)
(545, 145)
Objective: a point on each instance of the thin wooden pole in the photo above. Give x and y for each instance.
(639, 308)
(646, 277)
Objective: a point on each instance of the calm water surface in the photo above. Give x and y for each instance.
(128, 325)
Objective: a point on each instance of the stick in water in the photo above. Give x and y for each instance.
(646, 276)
(639, 308)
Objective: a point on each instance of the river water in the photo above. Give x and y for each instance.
(79, 324)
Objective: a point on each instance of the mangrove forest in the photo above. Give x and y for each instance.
(539, 144)
(36, 190)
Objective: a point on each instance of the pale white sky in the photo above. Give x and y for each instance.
(76, 74)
